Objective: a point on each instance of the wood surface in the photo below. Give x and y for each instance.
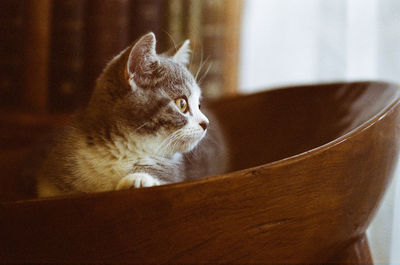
(357, 252)
(310, 165)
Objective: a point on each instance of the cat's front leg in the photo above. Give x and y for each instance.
(137, 180)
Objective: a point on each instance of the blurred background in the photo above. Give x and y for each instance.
(287, 42)
(52, 51)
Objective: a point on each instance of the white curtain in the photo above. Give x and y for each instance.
(306, 41)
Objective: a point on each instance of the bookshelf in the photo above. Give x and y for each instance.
(36, 55)
(60, 47)
(53, 51)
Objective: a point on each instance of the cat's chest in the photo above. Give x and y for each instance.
(102, 161)
(166, 169)
(117, 162)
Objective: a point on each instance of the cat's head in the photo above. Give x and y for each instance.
(152, 97)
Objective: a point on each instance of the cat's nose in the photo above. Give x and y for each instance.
(204, 125)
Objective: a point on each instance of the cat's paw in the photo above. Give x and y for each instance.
(137, 180)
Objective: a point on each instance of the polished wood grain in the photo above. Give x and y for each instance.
(357, 252)
(310, 165)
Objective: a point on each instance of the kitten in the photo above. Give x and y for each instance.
(142, 127)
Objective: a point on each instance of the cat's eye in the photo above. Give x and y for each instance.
(182, 104)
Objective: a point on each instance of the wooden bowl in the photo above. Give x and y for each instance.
(310, 165)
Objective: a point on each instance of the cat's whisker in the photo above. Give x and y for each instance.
(205, 139)
(205, 74)
(171, 38)
(212, 129)
(200, 65)
(190, 66)
(170, 144)
(167, 141)
(200, 80)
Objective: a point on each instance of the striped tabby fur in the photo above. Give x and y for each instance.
(133, 133)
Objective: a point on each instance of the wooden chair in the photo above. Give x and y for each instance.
(310, 165)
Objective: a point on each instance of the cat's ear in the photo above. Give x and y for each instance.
(182, 55)
(142, 55)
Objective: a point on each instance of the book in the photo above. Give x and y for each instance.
(176, 21)
(11, 50)
(36, 54)
(193, 31)
(220, 33)
(107, 34)
(213, 36)
(231, 47)
(66, 82)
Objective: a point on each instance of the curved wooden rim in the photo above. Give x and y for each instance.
(352, 133)
(312, 152)
(282, 162)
